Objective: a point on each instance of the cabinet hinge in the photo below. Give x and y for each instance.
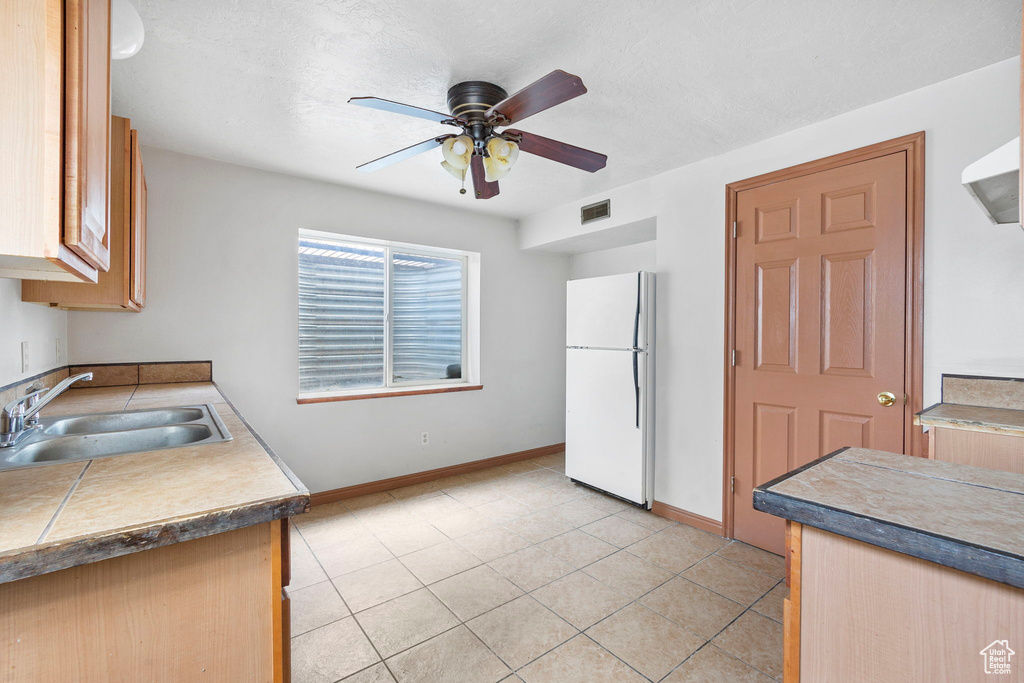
(734, 357)
(732, 484)
(734, 229)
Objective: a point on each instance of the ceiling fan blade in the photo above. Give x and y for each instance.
(555, 88)
(559, 151)
(402, 154)
(399, 108)
(483, 189)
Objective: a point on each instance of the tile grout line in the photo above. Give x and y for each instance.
(461, 622)
(501, 525)
(350, 613)
(130, 397)
(63, 503)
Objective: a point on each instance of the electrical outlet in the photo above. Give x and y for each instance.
(60, 351)
(24, 356)
(425, 438)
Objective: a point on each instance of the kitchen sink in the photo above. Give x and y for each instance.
(116, 422)
(101, 435)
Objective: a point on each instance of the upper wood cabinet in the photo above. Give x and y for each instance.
(137, 241)
(54, 133)
(86, 129)
(123, 286)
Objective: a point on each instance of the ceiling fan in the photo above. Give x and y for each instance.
(479, 109)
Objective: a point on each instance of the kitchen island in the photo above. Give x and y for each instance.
(160, 565)
(900, 569)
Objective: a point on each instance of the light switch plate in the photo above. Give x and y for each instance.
(24, 356)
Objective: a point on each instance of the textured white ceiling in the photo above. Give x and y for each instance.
(265, 83)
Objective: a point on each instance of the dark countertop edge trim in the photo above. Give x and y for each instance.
(995, 377)
(922, 418)
(803, 468)
(145, 362)
(270, 451)
(964, 556)
(45, 559)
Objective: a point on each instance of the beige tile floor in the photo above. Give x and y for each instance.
(516, 574)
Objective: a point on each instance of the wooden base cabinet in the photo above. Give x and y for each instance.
(857, 612)
(209, 609)
(123, 286)
(979, 449)
(54, 127)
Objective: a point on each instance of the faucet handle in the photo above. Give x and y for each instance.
(35, 392)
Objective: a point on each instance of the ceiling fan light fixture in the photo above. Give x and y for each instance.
(501, 155)
(479, 109)
(459, 173)
(457, 152)
(126, 30)
(504, 152)
(493, 171)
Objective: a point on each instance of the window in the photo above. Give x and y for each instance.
(379, 315)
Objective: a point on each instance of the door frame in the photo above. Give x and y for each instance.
(913, 145)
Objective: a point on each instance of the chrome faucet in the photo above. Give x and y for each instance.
(17, 421)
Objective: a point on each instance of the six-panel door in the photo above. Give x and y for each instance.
(820, 317)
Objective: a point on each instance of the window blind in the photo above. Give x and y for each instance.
(351, 336)
(341, 316)
(427, 320)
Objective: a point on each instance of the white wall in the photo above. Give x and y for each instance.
(40, 326)
(222, 285)
(974, 272)
(628, 259)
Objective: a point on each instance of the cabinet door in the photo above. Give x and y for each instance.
(87, 130)
(137, 286)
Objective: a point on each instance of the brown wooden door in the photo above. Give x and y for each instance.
(820, 317)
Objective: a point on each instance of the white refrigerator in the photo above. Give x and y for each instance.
(609, 402)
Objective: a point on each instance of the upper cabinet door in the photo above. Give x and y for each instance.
(137, 287)
(87, 130)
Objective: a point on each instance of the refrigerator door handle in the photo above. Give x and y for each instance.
(636, 384)
(636, 342)
(636, 315)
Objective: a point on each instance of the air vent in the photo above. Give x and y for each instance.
(596, 212)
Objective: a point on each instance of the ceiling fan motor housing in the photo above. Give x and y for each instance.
(470, 100)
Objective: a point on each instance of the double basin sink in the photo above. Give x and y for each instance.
(100, 435)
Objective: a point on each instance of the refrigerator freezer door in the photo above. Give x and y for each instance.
(604, 447)
(601, 312)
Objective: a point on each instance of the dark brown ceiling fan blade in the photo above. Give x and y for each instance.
(555, 88)
(482, 188)
(399, 108)
(402, 154)
(559, 151)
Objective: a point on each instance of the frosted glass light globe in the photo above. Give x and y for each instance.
(126, 30)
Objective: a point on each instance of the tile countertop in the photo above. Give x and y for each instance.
(973, 418)
(966, 518)
(60, 516)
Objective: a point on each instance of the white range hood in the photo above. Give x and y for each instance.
(994, 182)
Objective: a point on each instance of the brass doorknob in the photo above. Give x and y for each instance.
(887, 398)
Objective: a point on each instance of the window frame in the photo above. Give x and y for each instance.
(390, 385)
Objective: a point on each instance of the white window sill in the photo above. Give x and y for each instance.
(329, 396)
